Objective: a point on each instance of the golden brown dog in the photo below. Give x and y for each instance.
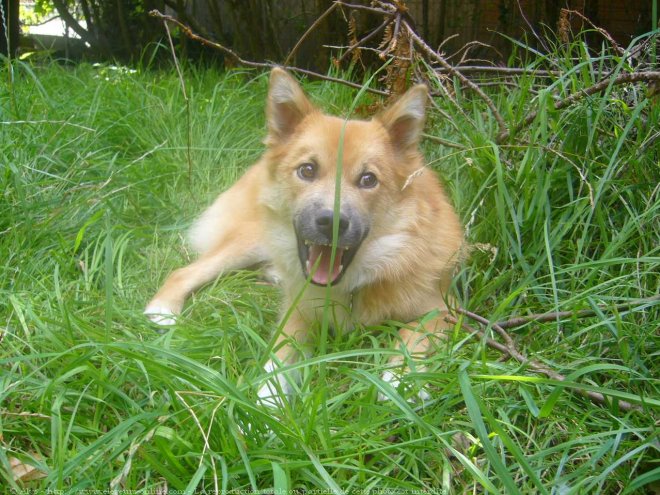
(396, 237)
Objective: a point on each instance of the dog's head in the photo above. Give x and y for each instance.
(322, 165)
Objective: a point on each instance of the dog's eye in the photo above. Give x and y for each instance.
(367, 180)
(307, 171)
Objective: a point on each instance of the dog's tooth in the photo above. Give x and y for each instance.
(307, 266)
(341, 268)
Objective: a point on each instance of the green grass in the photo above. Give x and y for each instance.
(95, 201)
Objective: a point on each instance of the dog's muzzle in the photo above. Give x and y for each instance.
(314, 228)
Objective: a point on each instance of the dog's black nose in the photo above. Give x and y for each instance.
(324, 220)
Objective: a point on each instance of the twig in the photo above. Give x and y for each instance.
(185, 98)
(465, 49)
(395, 38)
(190, 20)
(600, 86)
(507, 338)
(507, 71)
(365, 8)
(366, 49)
(510, 351)
(443, 142)
(603, 33)
(454, 71)
(258, 65)
(365, 39)
(443, 90)
(596, 88)
(314, 25)
(540, 39)
(560, 315)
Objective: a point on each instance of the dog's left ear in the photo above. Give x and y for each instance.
(287, 106)
(404, 120)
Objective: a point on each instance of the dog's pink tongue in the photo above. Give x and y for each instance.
(324, 272)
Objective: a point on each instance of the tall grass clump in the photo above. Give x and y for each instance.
(95, 201)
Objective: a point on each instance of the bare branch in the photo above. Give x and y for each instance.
(507, 338)
(506, 71)
(395, 37)
(603, 33)
(314, 25)
(443, 142)
(455, 72)
(365, 8)
(185, 98)
(259, 65)
(71, 22)
(510, 351)
(368, 37)
(561, 315)
(628, 77)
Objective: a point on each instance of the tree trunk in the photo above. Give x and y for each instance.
(9, 29)
(71, 22)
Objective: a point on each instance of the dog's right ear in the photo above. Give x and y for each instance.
(404, 120)
(287, 106)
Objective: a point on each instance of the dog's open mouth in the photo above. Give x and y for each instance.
(316, 261)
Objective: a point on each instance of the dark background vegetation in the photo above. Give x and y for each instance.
(268, 29)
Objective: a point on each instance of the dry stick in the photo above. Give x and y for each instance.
(506, 71)
(454, 71)
(258, 65)
(178, 7)
(511, 351)
(600, 86)
(311, 28)
(603, 33)
(395, 37)
(365, 8)
(596, 88)
(560, 315)
(443, 142)
(443, 92)
(540, 39)
(365, 39)
(185, 98)
(507, 338)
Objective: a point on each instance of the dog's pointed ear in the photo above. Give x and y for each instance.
(287, 106)
(404, 120)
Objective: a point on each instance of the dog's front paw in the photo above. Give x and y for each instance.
(276, 388)
(394, 380)
(161, 313)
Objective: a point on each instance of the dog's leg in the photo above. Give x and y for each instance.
(295, 334)
(415, 341)
(169, 300)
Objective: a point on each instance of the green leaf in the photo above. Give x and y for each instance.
(479, 426)
(194, 481)
(280, 479)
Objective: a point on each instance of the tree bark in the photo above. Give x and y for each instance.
(71, 22)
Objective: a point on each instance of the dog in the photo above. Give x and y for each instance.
(347, 216)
